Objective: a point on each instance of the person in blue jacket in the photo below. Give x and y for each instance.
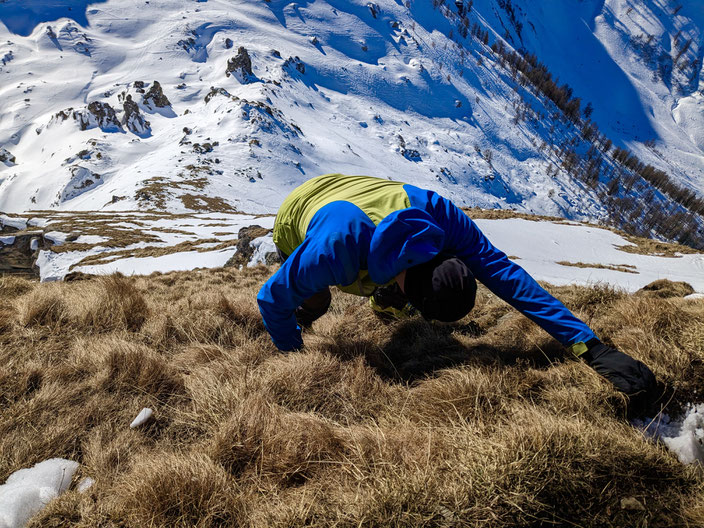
(398, 244)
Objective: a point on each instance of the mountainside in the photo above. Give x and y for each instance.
(226, 106)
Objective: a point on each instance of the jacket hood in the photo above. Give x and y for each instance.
(404, 238)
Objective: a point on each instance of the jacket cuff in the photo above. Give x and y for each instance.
(581, 348)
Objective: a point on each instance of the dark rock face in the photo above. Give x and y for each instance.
(295, 62)
(240, 65)
(245, 250)
(133, 119)
(104, 115)
(7, 157)
(155, 96)
(19, 257)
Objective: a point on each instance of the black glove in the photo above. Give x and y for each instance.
(628, 375)
(313, 308)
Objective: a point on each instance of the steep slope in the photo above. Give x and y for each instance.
(223, 106)
(638, 63)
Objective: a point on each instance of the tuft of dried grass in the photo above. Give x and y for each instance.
(666, 288)
(177, 489)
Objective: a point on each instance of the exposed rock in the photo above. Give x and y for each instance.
(228, 43)
(50, 33)
(139, 86)
(664, 288)
(240, 66)
(204, 148)
(104, 116)
(218, 91)
(133, 119)
(19, 257)
(245, 250)
(373, 9)
(155, 96)
(295, 62)
(7, 157)
(82, 180)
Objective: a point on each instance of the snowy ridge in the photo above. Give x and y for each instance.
(252, 98)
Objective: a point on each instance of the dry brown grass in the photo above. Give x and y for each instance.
(156, 251)
(625, 268)
(481, 423)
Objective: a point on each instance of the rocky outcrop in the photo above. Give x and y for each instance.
(295, 62)
(97, 114)
(240, 66)
(7, 157)
(245, 250)
(19, 251)
(218, 91)
(155, 96)
(133, 119)
(82, 180)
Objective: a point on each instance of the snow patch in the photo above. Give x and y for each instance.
(182, 261)
(27, 491)
(17, 223)
(85, 484)
(684, 437)
(262, 246)
(143, 417)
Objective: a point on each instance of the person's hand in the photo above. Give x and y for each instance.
(628, 375)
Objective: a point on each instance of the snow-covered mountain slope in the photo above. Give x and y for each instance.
(638, 63)
(227, 105)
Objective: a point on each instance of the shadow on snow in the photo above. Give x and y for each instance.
(22, 16)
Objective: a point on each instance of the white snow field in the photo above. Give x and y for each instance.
(540, 246)
(27, 491)
(388, 88)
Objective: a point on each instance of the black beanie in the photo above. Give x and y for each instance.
(442, 288)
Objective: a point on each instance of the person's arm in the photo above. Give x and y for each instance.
(514, 285)
(505, 278)
(330, 254)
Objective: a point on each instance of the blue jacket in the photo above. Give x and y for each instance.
(357, 246)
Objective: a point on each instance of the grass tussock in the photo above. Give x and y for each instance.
(480, 423)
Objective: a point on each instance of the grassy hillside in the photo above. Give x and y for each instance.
(482, 423)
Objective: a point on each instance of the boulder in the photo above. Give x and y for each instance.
(240, 66)
(133, 119)
(155, 96)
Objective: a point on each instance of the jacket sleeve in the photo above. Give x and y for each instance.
(331, 253)
(503, 277)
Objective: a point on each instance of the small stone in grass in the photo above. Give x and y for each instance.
(632, 504)
(144, 416)
(85, 484)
